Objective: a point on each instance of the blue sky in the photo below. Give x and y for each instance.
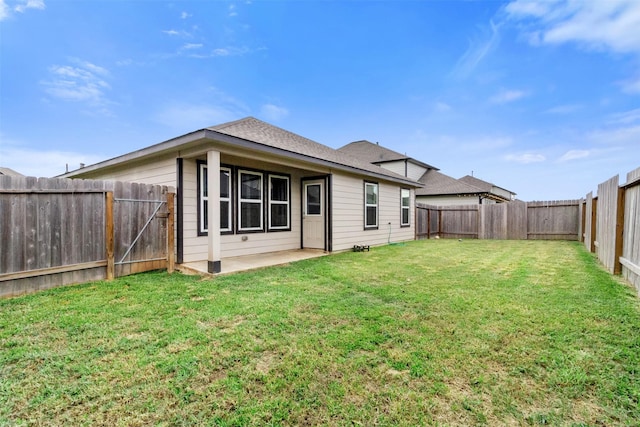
(539, 97)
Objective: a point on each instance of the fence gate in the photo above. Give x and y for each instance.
(141, 224)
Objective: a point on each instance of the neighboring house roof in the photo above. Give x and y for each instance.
(439, 184)
(375, 153)
(9, 172)
(484, 185)
(254, 134)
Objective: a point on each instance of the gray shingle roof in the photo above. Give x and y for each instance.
(438, 184)
(257, 131)
(9, 172)
(484, 185)
(375, 153)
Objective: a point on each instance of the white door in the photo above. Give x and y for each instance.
(313, 215)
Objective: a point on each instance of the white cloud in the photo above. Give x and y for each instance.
(600, 25)
(564, 109)
(625, 117)
(185, 15)
(442, 107)
(80, 82)
(192, 46)
(177, 33)
(525, 158)
(506, 96)
(22, 6)
(273, 112)
(631, 85)
(478, 49)
(574, 155)
(19, 6)
(4, 10)
(621, 136)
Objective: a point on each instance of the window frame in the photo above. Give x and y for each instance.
(369, 205)
(403, 207)
(201, 214)
(240, 229)
(271, 202)
(229, 200)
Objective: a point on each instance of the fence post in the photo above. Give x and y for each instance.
(594, 217)
(617, 266)
(109, 235)
(170, 234)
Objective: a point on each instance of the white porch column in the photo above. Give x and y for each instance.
(214, 264)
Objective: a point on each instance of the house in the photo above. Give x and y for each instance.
(9, 172)
(388, 159)
(493, 192)
(438, 188)
(272, 191)
(443, 190)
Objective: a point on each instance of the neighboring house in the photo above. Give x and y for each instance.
(443, 190)
(438, 188)
(9, 172)
(272, 190)
(498, 194)
(388, 159)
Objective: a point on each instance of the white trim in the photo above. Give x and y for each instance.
(227, 199)
(376, 186)
(286, 203)
(250, 201)
(202, 198)
(403, 207)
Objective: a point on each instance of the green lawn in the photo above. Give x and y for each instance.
(436, 332)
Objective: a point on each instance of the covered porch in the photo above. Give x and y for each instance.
(252, 262)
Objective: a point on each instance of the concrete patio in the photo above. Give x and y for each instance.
(252, 262)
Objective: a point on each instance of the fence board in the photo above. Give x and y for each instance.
(606, 223)
(53, 231)
(517, 225)
(631, 239)
(514, 220)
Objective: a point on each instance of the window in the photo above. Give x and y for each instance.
(370, 205)
(279, 202)
(250, 200)
(203, 195)
(405, 204)
(313, 199)
(225, 199)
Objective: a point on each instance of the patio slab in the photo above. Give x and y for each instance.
(252, 262)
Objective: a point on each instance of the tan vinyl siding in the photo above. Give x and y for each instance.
(348, 214)
(195, 247)
(157, 171)
(395, 166)
(415, 171)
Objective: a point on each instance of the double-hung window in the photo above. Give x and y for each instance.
(370, 205)
(405, 204)
(250, 201)
(225, 199)
(279, 204)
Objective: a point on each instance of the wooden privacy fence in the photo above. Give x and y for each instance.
(611, 226)
(56, 232)
(556, 220)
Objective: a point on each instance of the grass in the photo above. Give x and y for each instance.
(429, 333)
